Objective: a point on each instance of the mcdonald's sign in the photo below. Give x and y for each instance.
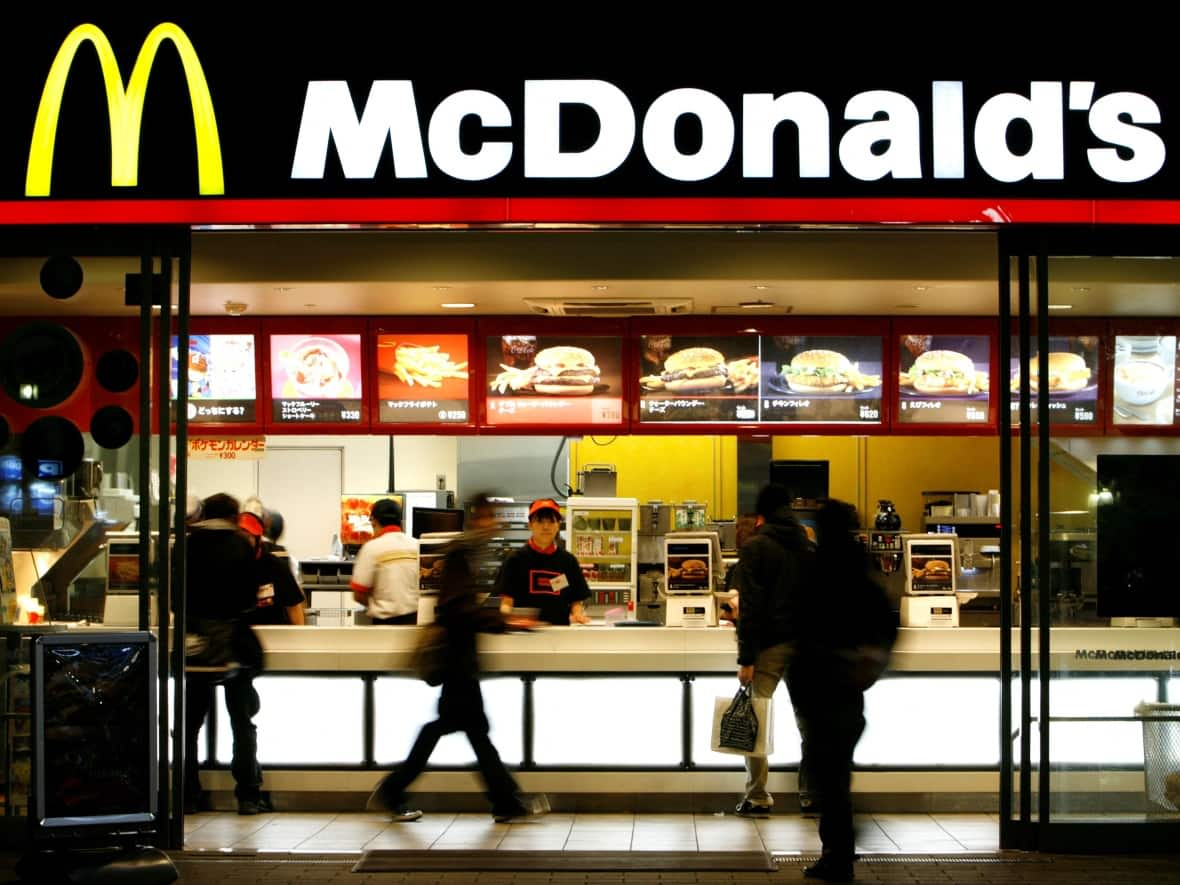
(125, 109)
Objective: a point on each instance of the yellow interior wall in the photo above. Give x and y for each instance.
(841, 452)
(901, 468)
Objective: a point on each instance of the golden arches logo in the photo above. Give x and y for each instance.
(125, 109)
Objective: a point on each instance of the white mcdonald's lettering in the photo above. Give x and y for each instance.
(125, 109)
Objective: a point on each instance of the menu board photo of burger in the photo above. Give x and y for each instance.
(943, 379)
(1073, 380)
(422, 379)
(316, 378)
(1145, 373)
(818, 379)
(699, 379)
(552, 379)
(221, 382)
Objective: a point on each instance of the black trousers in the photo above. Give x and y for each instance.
(830, 711)
(241, 703)
(460, 708)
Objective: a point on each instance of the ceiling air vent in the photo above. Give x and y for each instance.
(607, 307)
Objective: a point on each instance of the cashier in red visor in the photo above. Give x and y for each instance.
(542, 575)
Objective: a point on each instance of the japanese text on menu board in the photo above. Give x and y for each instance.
(747, 378)
(1073, 380)
(315, 379)
(221, 388)
(944, 379)
(554, 380)
(1145, 376)
(422, 379)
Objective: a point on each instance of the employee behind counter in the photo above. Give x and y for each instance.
(542, 575)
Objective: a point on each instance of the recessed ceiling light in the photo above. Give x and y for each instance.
(282, 290)
(457, 305)
(905, 306)
(756, 305)
(1080, 290)
(1060, 307)
(442, 288)
(921, 288)
(600, 287)
(760, 287)
(311, 305)
(235, 308)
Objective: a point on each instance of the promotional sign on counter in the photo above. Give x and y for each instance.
(817, 379)
(943, 379)
(554, 380)
(700, 380)
(1145, 373)
(1073, 380)
(422, 379)
(221, 382)
(316, 378)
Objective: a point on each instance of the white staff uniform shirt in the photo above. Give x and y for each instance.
(386, 567)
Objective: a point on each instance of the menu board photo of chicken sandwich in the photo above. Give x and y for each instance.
(944, 379)
(554, 380)
(818, 379)
(699, 379)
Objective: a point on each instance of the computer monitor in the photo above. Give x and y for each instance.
(425, 520)
(802, 479)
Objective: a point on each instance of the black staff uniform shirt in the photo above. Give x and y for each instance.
(548, 579)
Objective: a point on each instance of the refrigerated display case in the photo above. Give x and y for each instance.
(603, 534)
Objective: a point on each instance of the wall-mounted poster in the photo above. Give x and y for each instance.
(809, 378)
(422, 379)
(699, 380)
(1073, 380)
(943, 379)
(315, 378)
(554, 379)
(221, 378)
(1145, 373)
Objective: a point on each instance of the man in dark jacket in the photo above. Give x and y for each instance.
(460, 705)
(770, 578)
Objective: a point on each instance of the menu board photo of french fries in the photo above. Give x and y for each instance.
(422, 379)
(810, 378)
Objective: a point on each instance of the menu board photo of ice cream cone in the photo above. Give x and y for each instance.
(549, 379)
(316, 378)
(422, 379)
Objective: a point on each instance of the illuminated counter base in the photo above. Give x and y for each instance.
(619, 718)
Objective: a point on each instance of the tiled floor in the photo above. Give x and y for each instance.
(785, 834)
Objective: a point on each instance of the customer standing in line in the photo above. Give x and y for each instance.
(845, 631)
(385, 573)
(463, 617)
(771, 576)
(543, 575)
(221, 585)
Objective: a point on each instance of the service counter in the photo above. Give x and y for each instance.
(610, 717)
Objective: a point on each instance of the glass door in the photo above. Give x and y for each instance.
(1091, 478)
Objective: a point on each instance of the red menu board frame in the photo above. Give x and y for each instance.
(1070, 327)
(233, 326)
(314, 327)
(543, 327)
(946, 327)
(419, 326)
(1137, 326)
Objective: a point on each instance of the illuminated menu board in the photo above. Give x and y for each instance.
(221, 383)
(1073, 380)
(700, 380)
(821, 378)
(943, 379)
(422, 379)
(1145, 374)
(554, 380)
(315, 379)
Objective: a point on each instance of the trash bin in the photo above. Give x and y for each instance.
(1161, 753)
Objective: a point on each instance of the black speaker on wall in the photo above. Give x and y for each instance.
(117, 371)
(51, 448)
(61, 277)
(112, 427)
(40, 364)
(5, 432)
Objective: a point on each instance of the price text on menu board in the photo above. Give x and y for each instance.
(1073, 380)
(943, 379)
(554, 380)
(221, 388)
(747, 378)
(315, 379)
(422, 379)
(1145, 380)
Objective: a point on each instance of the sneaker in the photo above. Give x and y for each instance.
(809, 809)
(746, 808)
(525, 807)
(830, 870)
(404, 815)
(249, 806)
